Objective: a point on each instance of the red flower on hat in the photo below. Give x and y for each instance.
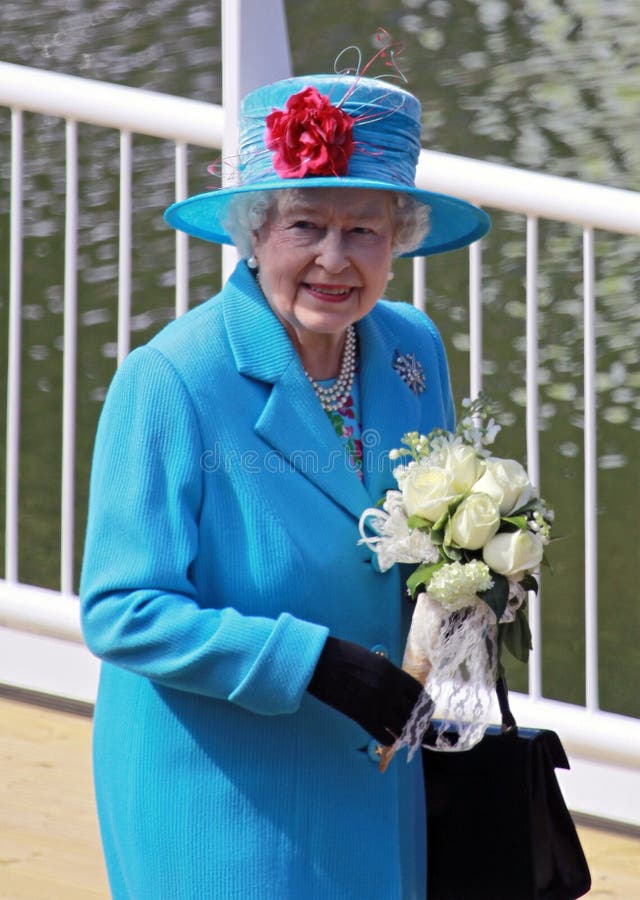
(310, 137)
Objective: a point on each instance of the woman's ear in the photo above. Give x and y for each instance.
(255, 240)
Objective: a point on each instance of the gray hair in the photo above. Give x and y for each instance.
(248, 213)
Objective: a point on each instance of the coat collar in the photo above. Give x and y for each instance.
(292, 421)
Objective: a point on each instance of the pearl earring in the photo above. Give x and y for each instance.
(390, 276)
(252, 262)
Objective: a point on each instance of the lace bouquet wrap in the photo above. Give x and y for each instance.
(476, 529)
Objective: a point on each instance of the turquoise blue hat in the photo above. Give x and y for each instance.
(331, 131)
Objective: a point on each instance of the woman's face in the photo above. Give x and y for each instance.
(324, 257)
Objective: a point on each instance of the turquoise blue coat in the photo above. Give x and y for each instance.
(222, 549)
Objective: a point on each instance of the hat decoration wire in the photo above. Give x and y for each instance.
(314, 136)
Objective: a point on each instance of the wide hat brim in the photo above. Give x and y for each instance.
(454, 223)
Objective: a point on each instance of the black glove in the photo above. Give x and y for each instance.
(367, 687)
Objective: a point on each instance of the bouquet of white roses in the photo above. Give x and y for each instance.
(476, 528)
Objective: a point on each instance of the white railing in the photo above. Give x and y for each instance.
(593, 738)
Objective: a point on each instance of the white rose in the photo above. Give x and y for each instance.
(427, 492)
(507, 482)
(464, 464)
(474, 522)
(513, 553)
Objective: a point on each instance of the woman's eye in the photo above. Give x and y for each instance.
(304, 224)
(361, 229)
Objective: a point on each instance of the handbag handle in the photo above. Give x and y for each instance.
(509, 724)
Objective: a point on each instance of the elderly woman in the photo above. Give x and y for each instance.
(250, 644)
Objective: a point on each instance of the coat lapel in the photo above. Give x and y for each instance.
(292, 421)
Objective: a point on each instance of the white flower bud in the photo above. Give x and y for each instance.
(464, 465)
(513, 553)
(427, 492)
(474, 522)
(507, 482)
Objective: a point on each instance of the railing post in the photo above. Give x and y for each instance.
(590, 476)
(419, 283)
(182, 239)
(69, 360)
(475, 319)
(14, 355)
(124, 249)
(533, 446)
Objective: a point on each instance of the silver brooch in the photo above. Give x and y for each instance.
(410, 370)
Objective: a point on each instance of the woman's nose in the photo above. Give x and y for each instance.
(332, 255)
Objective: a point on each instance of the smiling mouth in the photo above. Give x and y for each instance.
(333, 293)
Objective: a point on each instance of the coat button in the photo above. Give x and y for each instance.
(380, 650)
(374, 751)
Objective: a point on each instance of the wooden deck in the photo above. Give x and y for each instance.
(49, 843)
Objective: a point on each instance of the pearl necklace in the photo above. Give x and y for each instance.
(334, 397)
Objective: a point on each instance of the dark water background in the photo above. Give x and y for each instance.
(550, 85)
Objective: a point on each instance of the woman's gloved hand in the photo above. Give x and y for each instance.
(367, 687)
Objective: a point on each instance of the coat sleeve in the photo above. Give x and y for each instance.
(139, 606)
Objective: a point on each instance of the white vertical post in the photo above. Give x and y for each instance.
(475, 319)
(590, 476)
(14, 355)
(124, 250)
(255, 50)
(182, 239)
(69, 359)
(419, 282)
(533, 446)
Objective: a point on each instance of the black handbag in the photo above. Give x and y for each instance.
(497, 824)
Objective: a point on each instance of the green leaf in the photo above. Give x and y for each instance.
(531, 506)
(420, 523)
(519, 521)
(452, 553)
(497, 596)
(517, 636)
(422, 576)
(442, 522)
(446, 540)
